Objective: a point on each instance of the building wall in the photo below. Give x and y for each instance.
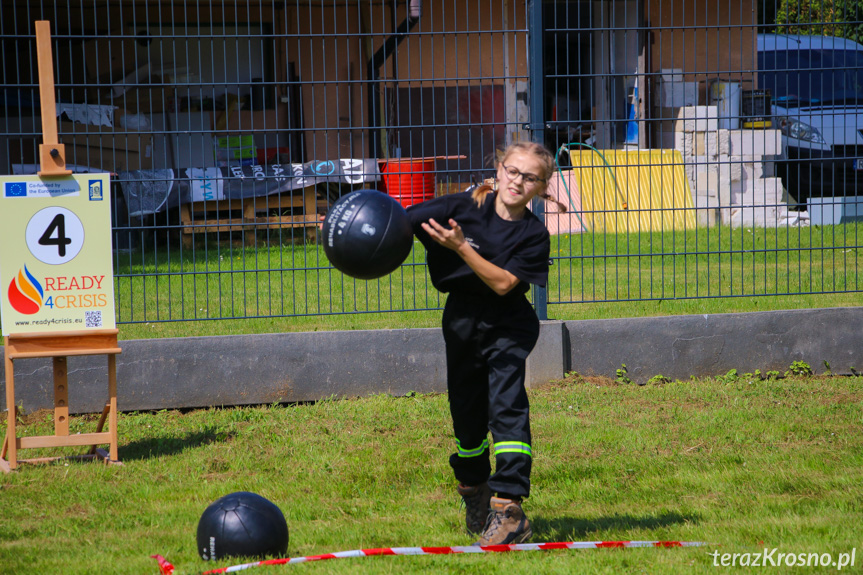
(478, 49)
(707, 40)
(453, 45)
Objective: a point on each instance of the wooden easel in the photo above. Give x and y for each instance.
(57, 345)
(60, 345)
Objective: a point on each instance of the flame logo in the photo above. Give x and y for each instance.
(25, 293)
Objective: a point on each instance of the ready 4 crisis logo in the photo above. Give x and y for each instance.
(27, 294)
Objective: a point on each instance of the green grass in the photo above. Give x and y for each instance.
(292, 287)
(741, 463)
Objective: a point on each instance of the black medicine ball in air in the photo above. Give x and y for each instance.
(367, 234)
(242, 524)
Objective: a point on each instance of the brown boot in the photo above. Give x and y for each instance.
(506, 524)
(476, 505)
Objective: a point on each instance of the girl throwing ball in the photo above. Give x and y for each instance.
(485, 248)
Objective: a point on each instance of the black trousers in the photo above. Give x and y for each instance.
(487, 341)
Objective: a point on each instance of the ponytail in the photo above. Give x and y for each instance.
(481, 192)
(559, 206)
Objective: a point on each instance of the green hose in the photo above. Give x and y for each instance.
(607, 166)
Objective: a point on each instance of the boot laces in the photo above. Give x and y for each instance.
(492, 524)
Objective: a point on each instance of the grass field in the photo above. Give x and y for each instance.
(742, 463)
(292, 287)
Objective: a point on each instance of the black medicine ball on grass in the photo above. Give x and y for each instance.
(367, 234)
(242, 524)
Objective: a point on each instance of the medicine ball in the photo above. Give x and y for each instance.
(242, 524)
(367, 234)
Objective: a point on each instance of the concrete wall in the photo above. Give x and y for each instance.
(706, 345)
(286, 367)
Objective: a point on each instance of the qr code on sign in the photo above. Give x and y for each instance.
(93, 318)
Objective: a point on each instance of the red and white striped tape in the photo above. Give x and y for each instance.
(168, 569)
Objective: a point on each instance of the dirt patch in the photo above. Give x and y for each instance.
(573, 378)
(38, 416)
(601, 381)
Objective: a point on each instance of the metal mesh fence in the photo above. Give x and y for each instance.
(705, 149)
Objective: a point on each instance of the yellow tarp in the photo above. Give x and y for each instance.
(650, 183)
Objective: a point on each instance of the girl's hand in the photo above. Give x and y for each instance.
(452, 238)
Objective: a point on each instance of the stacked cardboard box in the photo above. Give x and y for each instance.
(726, 169)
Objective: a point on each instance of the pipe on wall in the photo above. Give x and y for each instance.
(387, 49)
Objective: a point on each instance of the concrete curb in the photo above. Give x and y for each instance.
(704, 345)
(287, 367)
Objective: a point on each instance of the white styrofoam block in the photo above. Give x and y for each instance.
(719, 177)
(704, 186)
(699, 143)
(754, 216)
(707, 210)
(696, 119)
(694, 165)
(690, 143)
(736, 168)
(751, 168)
(717, 143)
(702, 182)
(760, 192)
(724, 171)
(797, 219)
(683, 143)
(750, 142)
(724, 192)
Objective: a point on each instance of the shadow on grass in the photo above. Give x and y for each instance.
(159, 446)
(574, 529)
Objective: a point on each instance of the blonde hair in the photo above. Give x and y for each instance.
(539, 152)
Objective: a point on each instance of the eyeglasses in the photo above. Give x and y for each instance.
(528, 179)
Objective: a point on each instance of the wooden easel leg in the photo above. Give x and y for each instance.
(101, 424)
(4, 465)
(10, 445)
(5, 447)
(61, 396)
(112, 402)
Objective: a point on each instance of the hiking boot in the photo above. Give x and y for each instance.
(506, 524)
(476, 504)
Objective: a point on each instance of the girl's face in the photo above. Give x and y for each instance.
(520, 178)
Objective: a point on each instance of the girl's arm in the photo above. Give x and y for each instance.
(498, 279)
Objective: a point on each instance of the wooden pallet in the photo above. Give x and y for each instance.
(250, 215)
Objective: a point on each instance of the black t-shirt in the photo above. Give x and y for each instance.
(521, 247)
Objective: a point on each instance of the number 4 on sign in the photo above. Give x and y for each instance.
(55, 235)
(58, 225)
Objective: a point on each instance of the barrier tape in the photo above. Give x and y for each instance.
(167, 569)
